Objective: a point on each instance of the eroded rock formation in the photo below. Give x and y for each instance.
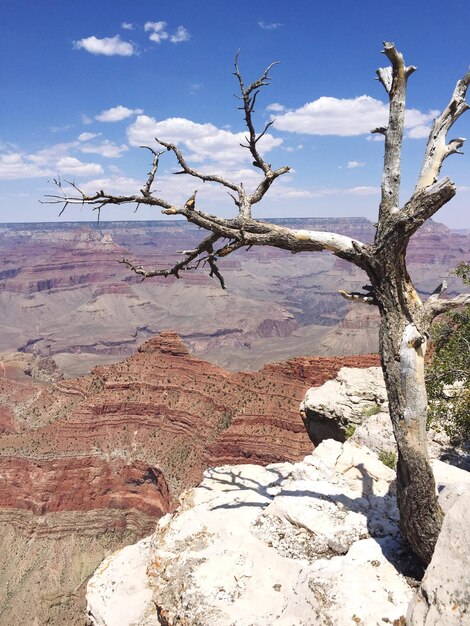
(92, 462)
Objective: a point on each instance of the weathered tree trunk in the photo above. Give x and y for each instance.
(405, 320)
(403, 337)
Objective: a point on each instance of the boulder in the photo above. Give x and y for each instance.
(354, 406)
(337, 408)
(444, 596)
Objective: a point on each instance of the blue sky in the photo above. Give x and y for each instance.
(84, 84)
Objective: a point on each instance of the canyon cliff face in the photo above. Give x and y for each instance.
(89, 464)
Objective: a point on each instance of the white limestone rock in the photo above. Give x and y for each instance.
(354, 405)
(108, 587)
(302, 544)
(340, 405)
(266, 546)
(444, 596)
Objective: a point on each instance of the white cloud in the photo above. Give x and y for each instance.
(269, 25)
(109, 46)
(363, 190)
(46, 162)
(116, 114)
(72, 165)
(345, 117)
(202, 142)
(158, 31)
(353, 164)
(86, 119)
(106, 149)
(419, 132)
(113, 184)
(87, 136)
(182, 34)
(16, 165)
(275, 107)
(127, 26)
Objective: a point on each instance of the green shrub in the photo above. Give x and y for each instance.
(388, 458)
(448, 375)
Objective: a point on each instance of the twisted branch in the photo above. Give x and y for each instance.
(437, 150)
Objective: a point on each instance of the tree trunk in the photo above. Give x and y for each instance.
(403, 338)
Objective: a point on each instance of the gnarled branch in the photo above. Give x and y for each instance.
(434, 307)
(437, 149)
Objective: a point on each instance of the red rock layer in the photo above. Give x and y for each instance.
(82, 484)
(132, 435)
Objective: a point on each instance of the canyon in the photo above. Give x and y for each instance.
(64, 294)
(117, 394)
(89, 464)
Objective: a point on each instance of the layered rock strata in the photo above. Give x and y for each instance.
(89, 464)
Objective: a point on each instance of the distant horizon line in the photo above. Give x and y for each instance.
(355, 218)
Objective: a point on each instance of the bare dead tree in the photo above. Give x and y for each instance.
(405, 319)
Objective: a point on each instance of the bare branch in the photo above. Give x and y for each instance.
(437, 149)
(253, 139)
(356, 296)
(146, 189)
(394, 81)
(434, 307)
(254, 232)
(192, 172)
(206, 246)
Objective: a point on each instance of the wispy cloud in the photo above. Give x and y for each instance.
(87, 136)
(269, 25)
(347, 117)
(61, 129)
(108, 46)
(117, 114)
(106, 149)
(353, 164)
(195, 88)
(158, 33)
(275, 107)
(127, 26)
(182, 34)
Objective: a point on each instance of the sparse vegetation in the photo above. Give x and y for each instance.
(370, 410)
(350, 430)
(388, 458)
(448, 377)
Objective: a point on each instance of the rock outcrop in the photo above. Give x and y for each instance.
(443, 598)
(311, 543)
(354, 405)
